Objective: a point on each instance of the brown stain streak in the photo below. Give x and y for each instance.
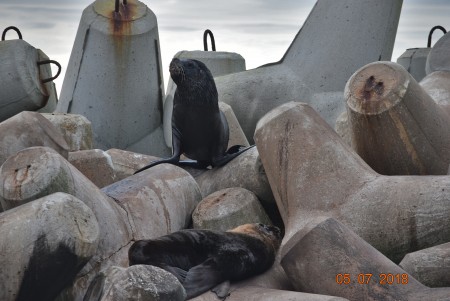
(371, 88)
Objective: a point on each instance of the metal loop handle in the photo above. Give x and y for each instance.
(205, 42)
(50, 62)
(117, 8)
(13, 28)
(431, 33)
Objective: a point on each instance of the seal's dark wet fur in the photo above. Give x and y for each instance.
(201, 259)
(199, 129)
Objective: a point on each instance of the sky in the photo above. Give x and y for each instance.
(259, 30)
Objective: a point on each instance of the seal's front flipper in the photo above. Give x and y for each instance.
(202, 278)
(222, 290)
(231, 153)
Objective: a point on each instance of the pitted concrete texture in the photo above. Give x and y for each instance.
(437, 85)
(96, 165)
(141, 283)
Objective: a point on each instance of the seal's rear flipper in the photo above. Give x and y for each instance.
(202, 278)
(222, 290)
(193, 164)
(177, 272)
(231, 153)
(171, 160)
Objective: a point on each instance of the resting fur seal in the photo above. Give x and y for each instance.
(202, 259)
(199, 129)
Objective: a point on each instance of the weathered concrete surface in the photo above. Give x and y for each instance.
(44, 245)
(20, 88)
(96, 165)
(325, 249)
(342, 127)
(218, 62)
(29, 129)
(245, 171)
(254, 293)
(311, 70)
(310, 169)
(39, 171)
(439, 57)
(158, 201)
(437, 85)
(396, 126)
(237, 136)
(76, 129)
(126, 163)
(414, 61)
(141, 283)
(430, 266)
(114, 75)
(228, 208)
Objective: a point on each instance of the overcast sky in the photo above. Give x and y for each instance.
(259, 30)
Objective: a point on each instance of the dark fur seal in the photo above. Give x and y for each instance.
(199, 128)
(202, 259)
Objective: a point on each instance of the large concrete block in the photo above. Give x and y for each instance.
(21, 87)
(96, 165)
(158, 201)
(227, 209)
(218, 62)
(326, 257)
(311, 66)
(140, 283)
(76, 129)
(414, 61)
(310, 169)
(430, 266)
(437, 85)
(44, 245)
(29, 129)
(126, 163)
(396, 126)
(114, 75)
(439, 57)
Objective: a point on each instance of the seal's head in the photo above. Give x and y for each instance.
(193, 79)
(270, 235)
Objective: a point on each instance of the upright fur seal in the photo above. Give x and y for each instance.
(202, 259)
(199, 128)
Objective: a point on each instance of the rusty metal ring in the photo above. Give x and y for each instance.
(13, 28)
(50, 62)
(205, 42)
(431, 33)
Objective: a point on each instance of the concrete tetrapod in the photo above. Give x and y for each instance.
(396, 126)
(29, 129)
(437, 85)
(430, 266)
(44, 245)
(311, 170)
(439, 57)
(311, 69)
(158, 201)
(326, 257)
